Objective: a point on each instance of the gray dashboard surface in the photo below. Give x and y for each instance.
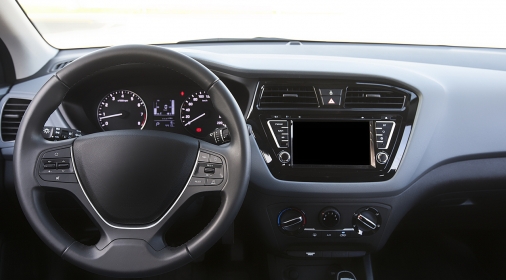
(462, 94)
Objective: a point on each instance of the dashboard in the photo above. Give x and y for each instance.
(314, 152)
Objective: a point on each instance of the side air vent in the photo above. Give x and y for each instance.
(373, 97)
(12, 114)
(59, 66)
(289, 96)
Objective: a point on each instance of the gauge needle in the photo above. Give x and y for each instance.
(111, 116)
(188, 123)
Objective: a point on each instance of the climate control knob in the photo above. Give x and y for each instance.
(366, 221)
(329, 217)
(291, 220)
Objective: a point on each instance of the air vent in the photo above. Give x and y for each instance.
(289, 96)
(373, 97)
(58, 66)
(12, 114)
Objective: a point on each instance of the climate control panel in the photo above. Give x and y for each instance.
(312, 225)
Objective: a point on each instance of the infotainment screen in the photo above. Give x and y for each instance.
(331, 143)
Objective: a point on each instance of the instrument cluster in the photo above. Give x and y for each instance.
(186, 111)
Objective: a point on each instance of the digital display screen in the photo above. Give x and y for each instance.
(331, 143)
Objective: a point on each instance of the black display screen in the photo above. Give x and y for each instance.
(331, 143)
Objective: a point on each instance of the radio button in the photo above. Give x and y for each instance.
(284, 157)
(279, 131)
(276, 124)
(384, 130)
(382, 157)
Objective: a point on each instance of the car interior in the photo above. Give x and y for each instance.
(240, 159)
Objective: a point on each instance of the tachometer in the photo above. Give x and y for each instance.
(198, 115)
(122, 109)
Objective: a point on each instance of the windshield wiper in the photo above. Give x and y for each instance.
(255, 39)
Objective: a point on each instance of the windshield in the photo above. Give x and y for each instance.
(93, 23)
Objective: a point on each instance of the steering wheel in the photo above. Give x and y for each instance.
(130, 182)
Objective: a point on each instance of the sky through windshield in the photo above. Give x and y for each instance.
(92, 23)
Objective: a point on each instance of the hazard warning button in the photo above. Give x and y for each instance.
(331, 100)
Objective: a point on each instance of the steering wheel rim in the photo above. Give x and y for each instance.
(130, 251)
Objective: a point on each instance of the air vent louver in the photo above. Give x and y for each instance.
(12, 114)
(59, 66)
(373, 97)
(289, 96)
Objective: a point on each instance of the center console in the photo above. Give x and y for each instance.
(327, 131)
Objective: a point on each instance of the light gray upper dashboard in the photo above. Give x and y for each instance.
(460, 116)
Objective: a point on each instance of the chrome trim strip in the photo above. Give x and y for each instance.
(329, 230)
(253, 102)
(371, 144)
(402, 148)
(272, 131)
(143, 227)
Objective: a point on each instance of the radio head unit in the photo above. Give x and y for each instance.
(332, 143)
(338, 148)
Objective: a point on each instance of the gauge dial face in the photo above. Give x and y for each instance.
(198, 115)
(122, 109)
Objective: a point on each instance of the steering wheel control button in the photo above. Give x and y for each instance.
(213, 182)
(382, 157)
(203, 157)
(60, 153)
(197, 181)
(63, 165)
(209, 170)
(215, 159)
(63, 178)
(279, 130)
(284, 157)
(49, 165)
(384, 130)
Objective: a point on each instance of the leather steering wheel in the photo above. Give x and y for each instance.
(131, 196)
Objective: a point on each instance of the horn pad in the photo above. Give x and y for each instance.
(133, 177)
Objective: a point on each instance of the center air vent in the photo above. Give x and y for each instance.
(374, 97)
(12, 114)
(288, 96)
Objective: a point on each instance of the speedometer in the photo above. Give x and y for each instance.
(198, 115)
(122, 109)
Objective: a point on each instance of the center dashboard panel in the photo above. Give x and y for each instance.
(332, 130)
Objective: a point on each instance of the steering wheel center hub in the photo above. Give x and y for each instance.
(133, 177)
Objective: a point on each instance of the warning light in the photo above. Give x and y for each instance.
(182, 93)
(198, 129)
